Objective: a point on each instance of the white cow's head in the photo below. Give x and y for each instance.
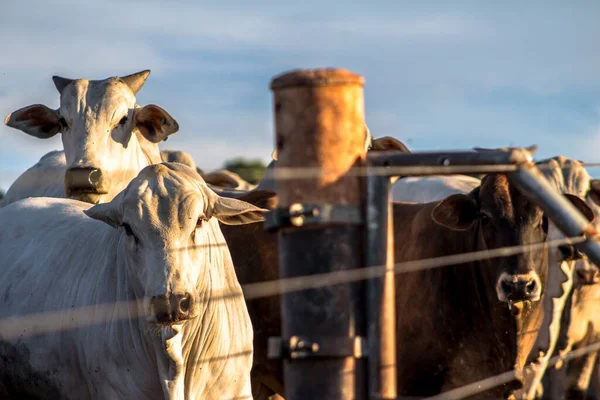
(570, 176)
(107, 138)
(176, 254)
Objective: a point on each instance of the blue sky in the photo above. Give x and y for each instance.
(439, 75)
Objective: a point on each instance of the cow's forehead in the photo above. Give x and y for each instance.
(502, 198)
(162, 197)
(104, 94)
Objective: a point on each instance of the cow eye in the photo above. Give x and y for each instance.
(63, 123)
(570, 253)
(123, 121)
(129, 231)
(483, 217)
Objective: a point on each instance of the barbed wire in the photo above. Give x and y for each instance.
(78, 317)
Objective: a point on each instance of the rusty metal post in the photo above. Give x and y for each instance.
(319, 123)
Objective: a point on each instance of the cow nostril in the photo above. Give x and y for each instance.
(530, 287)
(506, 287)
(184, 303)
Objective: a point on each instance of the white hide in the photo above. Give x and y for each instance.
(56, 258)
(567, 176)
(432, 188)
(101, 127)
(44, 179)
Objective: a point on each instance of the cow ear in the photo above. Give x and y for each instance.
(35, 120)
(581, 206)
(594, 192)
(222, 179)
(106, 212)
(387, 143)
(154, 123)
(457, 212)
(236, 212)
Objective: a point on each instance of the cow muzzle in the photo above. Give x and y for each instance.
(85, 180)
(173, 308)
(514, 288)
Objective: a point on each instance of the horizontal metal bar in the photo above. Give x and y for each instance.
(298, 215)
(565, 216)
(448, 158)
(317, 347)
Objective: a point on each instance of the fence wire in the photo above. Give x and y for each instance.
(495, 381)
(280, 173)
(79, 317)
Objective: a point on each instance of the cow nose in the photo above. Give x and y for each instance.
(85, 180)
(516, 288)
(588, 276)
(173, 308)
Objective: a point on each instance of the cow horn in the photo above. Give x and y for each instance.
(137, 80)
(531, 149)
(61, 82)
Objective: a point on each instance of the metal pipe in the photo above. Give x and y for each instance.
(319, 123)
(381, 301)
(565, 216)
(450, 158)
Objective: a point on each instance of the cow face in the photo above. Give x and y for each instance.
(503, 217)
(107, 138)
(175, 251)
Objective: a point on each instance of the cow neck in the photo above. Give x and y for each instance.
(150, 151)
(454, 307)
(140, 154)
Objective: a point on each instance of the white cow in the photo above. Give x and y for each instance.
(157, 251)
(576, 320)
(180, 157)
(432, 188)
(107, 138)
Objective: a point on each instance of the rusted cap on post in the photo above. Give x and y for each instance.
(316, 77)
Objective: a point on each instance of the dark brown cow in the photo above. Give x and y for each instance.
(449, 318)
(460, 324)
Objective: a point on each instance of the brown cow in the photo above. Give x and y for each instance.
(464, 323)
(493, 215)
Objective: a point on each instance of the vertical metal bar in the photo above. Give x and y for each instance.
(381, 306)
(567, 218)
(319, 123)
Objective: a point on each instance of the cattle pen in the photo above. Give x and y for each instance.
(335, 226)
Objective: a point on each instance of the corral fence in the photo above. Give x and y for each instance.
(334, 219)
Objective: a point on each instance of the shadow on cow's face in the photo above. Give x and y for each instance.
(503, 217)
(107, 138)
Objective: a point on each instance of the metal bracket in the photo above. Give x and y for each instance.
(320, 347)
(312, 214)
